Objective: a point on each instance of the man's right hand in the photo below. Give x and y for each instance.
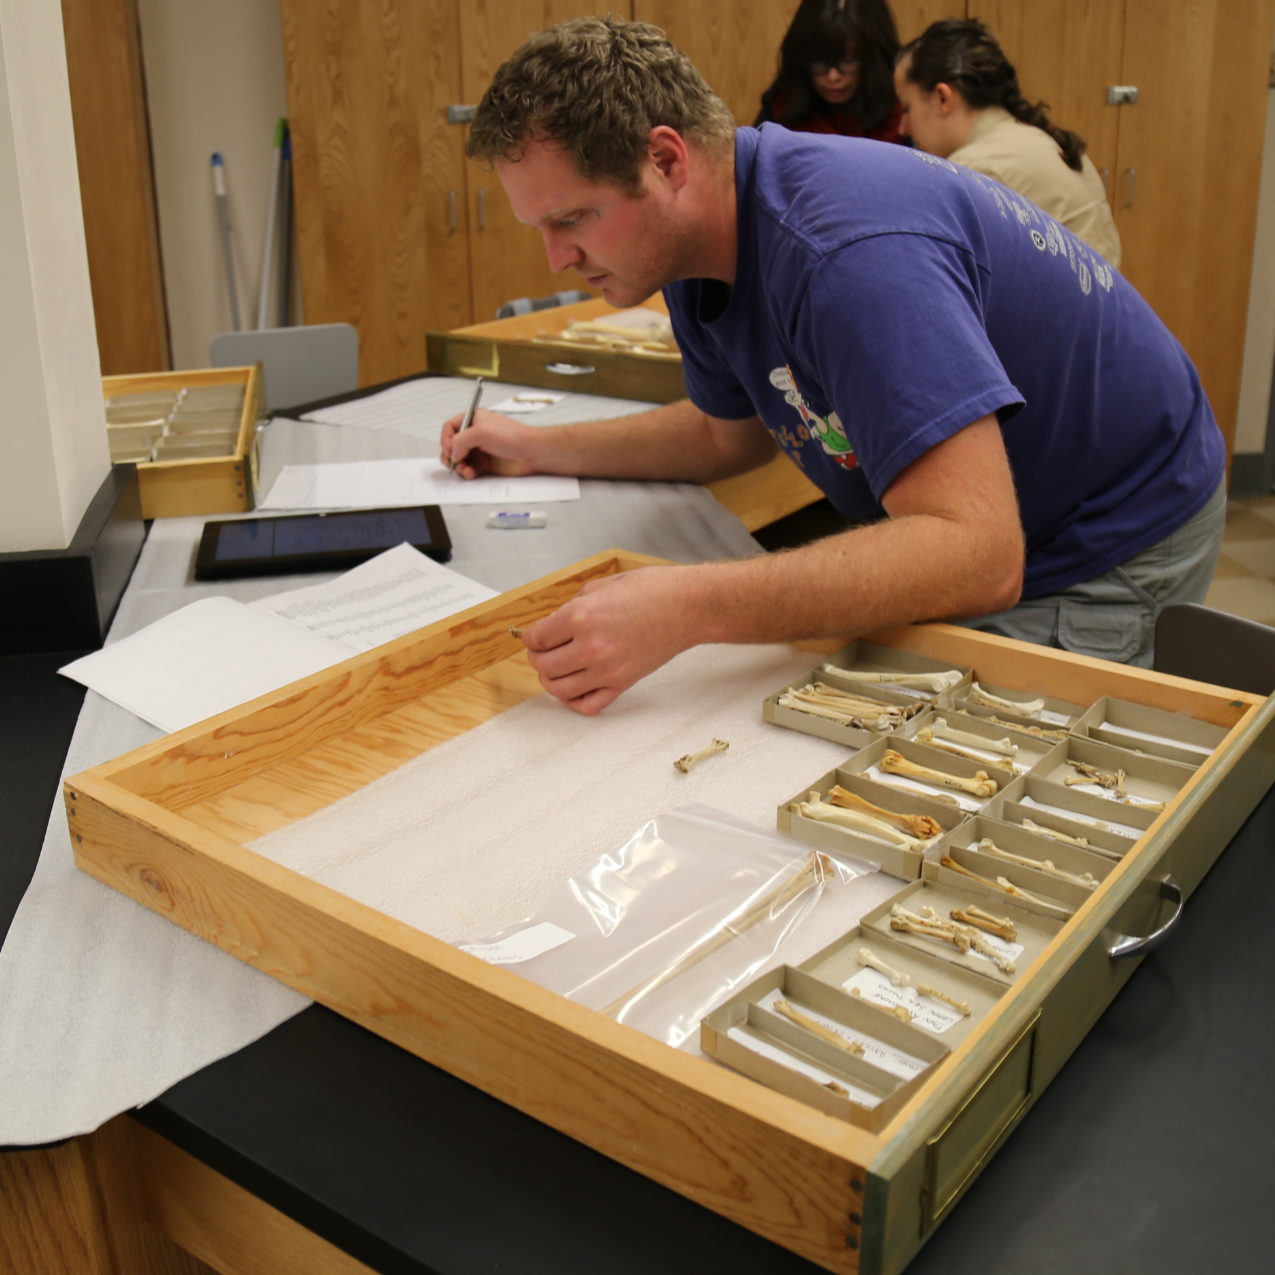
(493, 444)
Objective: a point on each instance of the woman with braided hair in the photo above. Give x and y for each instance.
(961, 101)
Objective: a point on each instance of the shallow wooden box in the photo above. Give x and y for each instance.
(166, 824)
(204, 484)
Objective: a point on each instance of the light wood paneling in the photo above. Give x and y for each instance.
(913, 16)
(113, 154)
(228, 1227)
(373, 161)
(1066, 52)
(1193, 147)
(507, 259)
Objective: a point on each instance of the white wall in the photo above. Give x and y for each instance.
(215, 82)
(52, 424)
(1259, 342)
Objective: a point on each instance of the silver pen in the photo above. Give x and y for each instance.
(469, 418)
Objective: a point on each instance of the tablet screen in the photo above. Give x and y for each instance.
(321, 533)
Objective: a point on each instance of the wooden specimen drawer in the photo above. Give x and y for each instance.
(847, 1197)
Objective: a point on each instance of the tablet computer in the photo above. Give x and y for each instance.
(316, 542)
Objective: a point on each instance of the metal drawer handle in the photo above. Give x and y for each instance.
(1127, 945)
(568, 369)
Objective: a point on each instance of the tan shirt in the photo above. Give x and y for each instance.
(1029, 161)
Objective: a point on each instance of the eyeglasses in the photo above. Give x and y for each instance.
(847, 66)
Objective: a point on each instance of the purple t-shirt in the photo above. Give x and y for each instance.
(884, 299)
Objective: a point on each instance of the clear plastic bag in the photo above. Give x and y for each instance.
(660, 930)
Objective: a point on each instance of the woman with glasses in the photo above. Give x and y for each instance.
(836, 71)
(961, 101)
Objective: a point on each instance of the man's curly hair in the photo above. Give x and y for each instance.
(597, 87)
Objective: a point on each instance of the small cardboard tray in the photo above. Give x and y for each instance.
(839, 966)
(963, 847)
(1051, 735)
(1152, 731)
(884, 1090)
(896, 861)
(1074, 814)
(870, 657)
(1035, 930)
(1152, 779)
(1030, 749)
(867, 761)
(1056, 714)
(825, 727)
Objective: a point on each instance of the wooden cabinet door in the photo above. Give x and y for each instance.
(913, 16)
(1066, 53)
(373, 162)
(507, 259)
(1190, 160)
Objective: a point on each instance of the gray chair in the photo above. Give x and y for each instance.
(1211, 646)
(525, 305)
(301, 364)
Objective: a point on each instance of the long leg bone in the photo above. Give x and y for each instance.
(818, 1029)
(927, 736)
(909, 923)
(941, 728)
(1001, 883)
(1024, 708)
(1086, 880)
(1087, 774)
(863, 714)
(962, 1007)
(1039, 732)
(1083, 842)
(1001, 926)
(980, 786)
(854, 821)
(921, 826)
(935, 682)
(897, 1010)
(870, 958)
(684, 764)
(946, 798)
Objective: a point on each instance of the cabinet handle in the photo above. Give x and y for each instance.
(451, 211)
(1122, 94)
(482, 209)
(1122, 945)
(1102, 172)
(1133, 178)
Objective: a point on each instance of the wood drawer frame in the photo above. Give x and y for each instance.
(157, 825)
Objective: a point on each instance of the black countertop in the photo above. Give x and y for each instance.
(1152, 1151)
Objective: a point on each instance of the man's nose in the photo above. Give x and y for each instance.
(562, 253)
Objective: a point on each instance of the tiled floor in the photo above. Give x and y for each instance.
(1244, 583)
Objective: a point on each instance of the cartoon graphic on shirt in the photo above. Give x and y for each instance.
(828, 430)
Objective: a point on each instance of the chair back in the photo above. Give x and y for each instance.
(302, 364)
(1211, 646)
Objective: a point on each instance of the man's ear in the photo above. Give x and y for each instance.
(669, 155)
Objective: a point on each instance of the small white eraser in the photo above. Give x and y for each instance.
(514, 519)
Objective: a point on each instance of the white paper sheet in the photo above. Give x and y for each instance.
(382, 484)
(395, 593)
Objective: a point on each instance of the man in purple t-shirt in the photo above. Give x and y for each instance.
(933, 350)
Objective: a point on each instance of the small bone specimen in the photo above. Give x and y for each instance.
(870, 958)
(1086, 879)
(962, 937)
(1087, 774)
(515, 631)
(854, 821)
(927, 736)
(897, 1010)
(921, 826)
(1024, 708)
(962, 1007)
(1001, 883)
(935, 682)
(1038, 731)
(1083, 842)
(818, 1029)
(816, 869)
(1001, 926)
(941, 728)
(839, 1090)
(684, 764)
(946, 798)
(851, 710)
(980, 786)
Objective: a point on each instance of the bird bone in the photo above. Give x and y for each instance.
(941, 728)
(962, 1007)
(818, 1029)
(982, 785)
(870, 958)
(684, 764)
(921, 826)
(935, 682)
(1024, 708)
(1085, 880)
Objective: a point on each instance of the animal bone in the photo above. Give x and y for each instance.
(946, 798)
(897, 977)
(980, 786)
(1001, 926)
(1039, 732)
(854, 821)
(1086, 880)
(865, 718)
(1092, 775)
(684, 764)
(1024, 708)
(909, 923)
(1001, 883)
(962, 1007)
(921, 826)
(935, 682)
(940, 727)
(897, 1010)
(927, 736)
(1010, 888)
(515, 631)
(818, 1029)
(1083, 842)
(840, 1090)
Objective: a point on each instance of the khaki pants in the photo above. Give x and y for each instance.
(1113, 615)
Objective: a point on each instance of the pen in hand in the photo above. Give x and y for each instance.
(468, 420)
